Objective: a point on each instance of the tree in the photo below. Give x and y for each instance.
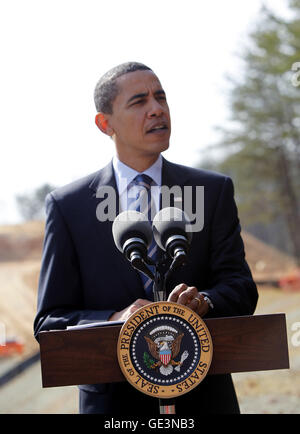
(263, 139)
(31, 206)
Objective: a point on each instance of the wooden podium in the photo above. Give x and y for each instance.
(88, 356)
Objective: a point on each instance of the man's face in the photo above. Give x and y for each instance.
(140, 120)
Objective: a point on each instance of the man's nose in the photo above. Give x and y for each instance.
(155, 109)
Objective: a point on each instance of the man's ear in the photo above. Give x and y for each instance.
(102, 123)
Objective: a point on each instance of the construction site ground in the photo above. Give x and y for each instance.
(266, 392)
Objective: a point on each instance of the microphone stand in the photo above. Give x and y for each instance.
(160, 277)
(166, 405)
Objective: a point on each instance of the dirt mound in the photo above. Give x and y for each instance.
(18, 292)
(21, 242)
(266, 262)
(20, 256)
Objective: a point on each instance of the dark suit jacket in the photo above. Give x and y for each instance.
(84, 277)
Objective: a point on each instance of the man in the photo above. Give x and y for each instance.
(84, 278)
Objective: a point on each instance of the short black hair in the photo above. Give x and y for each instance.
(106, 89)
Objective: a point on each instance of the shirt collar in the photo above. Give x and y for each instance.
(125, 174)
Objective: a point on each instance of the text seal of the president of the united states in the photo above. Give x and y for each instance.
(164, 349)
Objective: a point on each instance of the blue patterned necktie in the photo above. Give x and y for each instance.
(141, 200)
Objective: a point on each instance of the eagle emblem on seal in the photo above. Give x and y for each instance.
(164, 344)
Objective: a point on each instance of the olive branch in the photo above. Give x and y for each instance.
(147, 360)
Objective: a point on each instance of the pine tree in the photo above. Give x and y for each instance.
(263, 140)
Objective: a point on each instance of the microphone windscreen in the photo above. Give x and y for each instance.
(169, 222)
(131, 224)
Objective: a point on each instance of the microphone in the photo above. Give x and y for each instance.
(132, 235)
(169, 230)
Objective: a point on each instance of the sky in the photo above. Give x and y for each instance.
(53, 53)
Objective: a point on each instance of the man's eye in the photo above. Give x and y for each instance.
(139, 101)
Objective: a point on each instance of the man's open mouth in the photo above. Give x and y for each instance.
(157, 128)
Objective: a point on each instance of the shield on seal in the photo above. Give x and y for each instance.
(165, 356)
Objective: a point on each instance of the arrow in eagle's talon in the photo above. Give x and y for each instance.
(183, 357)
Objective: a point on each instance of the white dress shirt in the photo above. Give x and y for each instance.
(125, 175)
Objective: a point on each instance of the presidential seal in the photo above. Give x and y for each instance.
(164, 349)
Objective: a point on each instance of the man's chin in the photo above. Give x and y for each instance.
(161, 147)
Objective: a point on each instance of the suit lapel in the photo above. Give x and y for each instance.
(173, 175)
(105, 178)
(127, 277)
